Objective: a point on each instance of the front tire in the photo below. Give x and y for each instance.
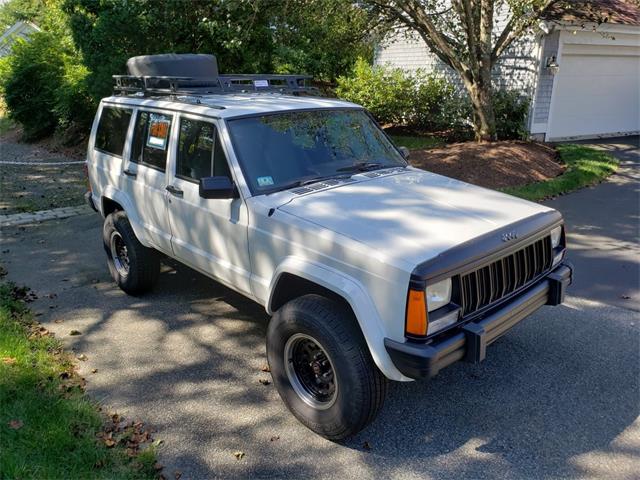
(134, 267)
(322, 368)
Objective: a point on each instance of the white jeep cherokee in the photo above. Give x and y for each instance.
(370, 268)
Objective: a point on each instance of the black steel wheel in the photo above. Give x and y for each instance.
(322, 368)
(134, 267)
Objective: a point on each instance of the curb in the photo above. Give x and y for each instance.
(42, 216)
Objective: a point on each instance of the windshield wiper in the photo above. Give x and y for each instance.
(308, 181)
(363, 167)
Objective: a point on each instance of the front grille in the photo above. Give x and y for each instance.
(490, 283)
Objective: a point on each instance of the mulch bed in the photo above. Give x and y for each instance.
(493, 165)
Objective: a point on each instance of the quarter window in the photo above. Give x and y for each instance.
(151, 139)
(200, 153)
(112, 130)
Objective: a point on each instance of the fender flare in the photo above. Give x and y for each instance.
(123, 199)
(354, 294)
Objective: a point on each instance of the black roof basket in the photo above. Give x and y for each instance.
(196, 74)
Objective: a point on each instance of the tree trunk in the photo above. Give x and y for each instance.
(484, 120)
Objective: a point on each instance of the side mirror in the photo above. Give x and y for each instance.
(404, 151)
(218, 187)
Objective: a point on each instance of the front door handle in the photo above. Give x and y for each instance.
(129, 173)
(175, 191)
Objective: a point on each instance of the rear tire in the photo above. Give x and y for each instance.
(134, 267)
(322, 368)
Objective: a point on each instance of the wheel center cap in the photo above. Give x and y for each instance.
(315, 366)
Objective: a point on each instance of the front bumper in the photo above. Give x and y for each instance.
(420, 360)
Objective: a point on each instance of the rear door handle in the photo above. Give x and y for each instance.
(129, 173)
(175, 191)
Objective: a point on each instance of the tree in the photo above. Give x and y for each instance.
(323, 38)
(108, 32)
(462, 34)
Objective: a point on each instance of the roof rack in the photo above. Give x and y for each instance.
(222, 84)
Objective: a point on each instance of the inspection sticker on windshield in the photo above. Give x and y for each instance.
(265, 181)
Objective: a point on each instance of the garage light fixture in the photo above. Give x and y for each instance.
(552, 65)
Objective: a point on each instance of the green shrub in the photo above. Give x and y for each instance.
(511, 110)
(44, 85)
(386, 93)
(74, 106)
(30, 82)
(418, 101)
(437, 105)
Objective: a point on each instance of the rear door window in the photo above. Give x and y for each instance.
(200, 153)
(112, 130)
(151, 139)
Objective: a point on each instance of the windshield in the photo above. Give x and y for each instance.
(285, 150)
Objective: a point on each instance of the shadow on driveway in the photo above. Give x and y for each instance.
(557, 397)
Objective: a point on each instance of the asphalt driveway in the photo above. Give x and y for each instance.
(603, 224)
(557, 397)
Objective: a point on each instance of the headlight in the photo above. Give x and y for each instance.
(438, 294)
(556, 236)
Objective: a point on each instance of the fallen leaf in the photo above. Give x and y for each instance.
(177, 474)
(239, 455)
(109, 442)
(15, 424)
(82, 357)
(274, 438)
(75, 332)
(264, 381)
(9, 360)
(59, 320)
(366, 446)
(265, 368)
(94, 370)
(625, 297)
(158, 466)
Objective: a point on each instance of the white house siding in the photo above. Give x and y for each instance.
(516, 70)
(19, 30)
(542, 101)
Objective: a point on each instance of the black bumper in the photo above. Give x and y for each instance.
(419, 360)
(88, 198)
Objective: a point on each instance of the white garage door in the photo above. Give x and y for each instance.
(597, 89)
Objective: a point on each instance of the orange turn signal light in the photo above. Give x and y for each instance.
(416, 321)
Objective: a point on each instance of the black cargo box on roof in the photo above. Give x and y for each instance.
(193, 65)
(196, 74)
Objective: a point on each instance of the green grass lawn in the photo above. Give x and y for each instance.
(415, 142)
(585, 166)
(48, 427)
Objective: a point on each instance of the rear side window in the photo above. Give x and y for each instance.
(199, 151)
(112, 130)
(151, 139)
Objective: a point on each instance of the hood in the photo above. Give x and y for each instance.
(410, 216)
